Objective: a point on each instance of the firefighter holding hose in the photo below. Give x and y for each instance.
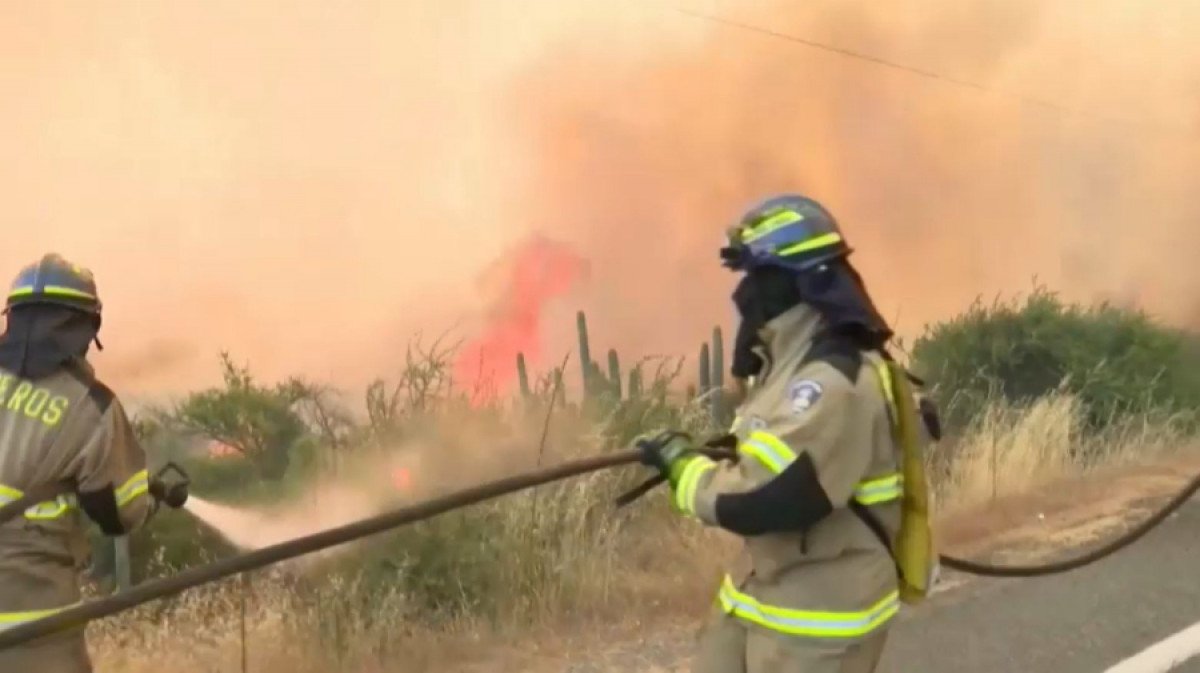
(824, 491)
(62, 431)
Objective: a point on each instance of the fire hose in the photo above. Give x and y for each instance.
(79, 615)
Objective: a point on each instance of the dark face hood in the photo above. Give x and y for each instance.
(42, 338)
(833, 290)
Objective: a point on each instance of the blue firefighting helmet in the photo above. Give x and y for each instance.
(54, 280)
(789, 231)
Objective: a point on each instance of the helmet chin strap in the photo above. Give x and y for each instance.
(96, 339)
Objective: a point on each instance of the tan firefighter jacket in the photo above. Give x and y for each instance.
(65, 428)
(834, 581)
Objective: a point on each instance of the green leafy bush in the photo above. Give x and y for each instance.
(1117, 361)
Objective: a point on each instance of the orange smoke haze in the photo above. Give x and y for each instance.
(310, 186)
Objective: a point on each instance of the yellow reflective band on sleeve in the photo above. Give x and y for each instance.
(9, 620)
(8, 494)
(814, 243)
(769, 450)
(775, 455)
(880, 489)
(771, 224)
(811, 623)
(42, 511)
(689, 481)
(137, 485)
(51, 509)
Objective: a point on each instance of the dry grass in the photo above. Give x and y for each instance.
(559, 564)
(1010, 450)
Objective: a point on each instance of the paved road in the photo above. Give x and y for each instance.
(1080, 622)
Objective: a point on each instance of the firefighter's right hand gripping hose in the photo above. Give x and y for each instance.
(192, 577)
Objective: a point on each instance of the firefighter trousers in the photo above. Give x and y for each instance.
(727, 646)
(60, 653)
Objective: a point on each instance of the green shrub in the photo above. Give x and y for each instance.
(1117, 361)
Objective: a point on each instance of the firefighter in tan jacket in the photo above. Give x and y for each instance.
(58, 426)
(815, 490)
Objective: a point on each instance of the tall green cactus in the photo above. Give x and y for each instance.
(718, 359)
(717, 401)
(585, 354)
(614, 372)
(635, 382)
(523, 376)
(705, 370)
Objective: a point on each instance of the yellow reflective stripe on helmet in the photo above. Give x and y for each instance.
(814, 243)
(54, 290)
(771, 224)
(813, 623)
(9, 620)
(880, 489)
(137, 485)
(769, 450)
(689, 481)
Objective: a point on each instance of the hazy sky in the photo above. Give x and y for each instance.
(310, 183)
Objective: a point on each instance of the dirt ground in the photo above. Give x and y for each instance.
(1075, 511)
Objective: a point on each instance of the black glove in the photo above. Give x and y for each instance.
(665, 451)
(173, 495)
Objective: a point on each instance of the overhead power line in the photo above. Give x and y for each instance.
(928, 74)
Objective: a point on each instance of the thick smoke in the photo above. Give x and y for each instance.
(947, 191)
(309, 188)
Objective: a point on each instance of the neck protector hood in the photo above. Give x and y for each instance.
(834, 290)
(40, 339)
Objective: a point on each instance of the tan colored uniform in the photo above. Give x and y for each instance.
(817, 601)
(69, 428)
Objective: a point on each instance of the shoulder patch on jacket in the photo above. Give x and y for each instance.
(803, 394)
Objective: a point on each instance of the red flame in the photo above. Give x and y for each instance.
(402, 479)
(524, 280)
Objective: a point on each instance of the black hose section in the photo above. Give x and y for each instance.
(168, 586)
(192, 577)
(1133, 535)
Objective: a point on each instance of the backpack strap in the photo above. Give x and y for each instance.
(847, 358)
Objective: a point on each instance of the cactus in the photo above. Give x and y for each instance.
(718, 359)
(705, 370)
(614, 372)
(523, 376)
(717, 408)
(635, 382)
(585, 354)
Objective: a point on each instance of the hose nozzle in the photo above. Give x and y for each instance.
(169, 488)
